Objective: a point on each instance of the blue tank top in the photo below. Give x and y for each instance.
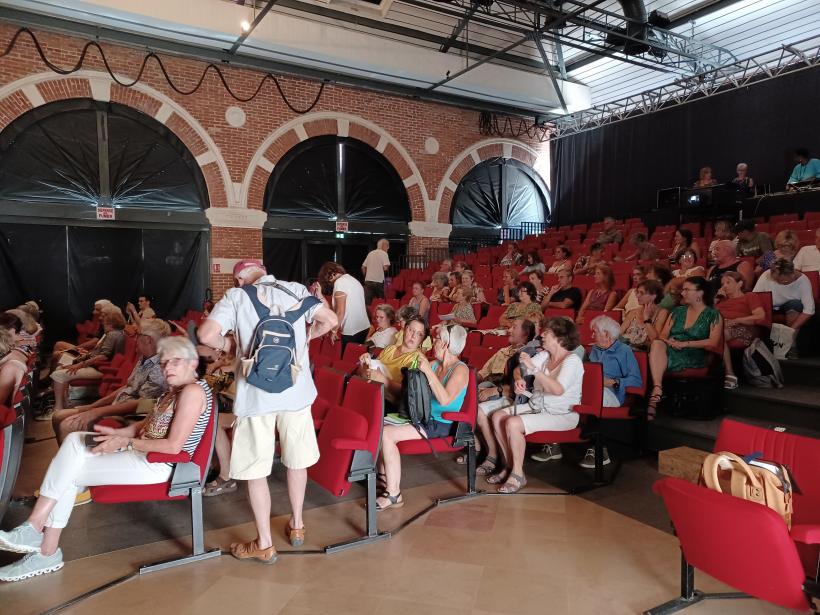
(436, 409)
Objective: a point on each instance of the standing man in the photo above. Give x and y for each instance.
(260, 414)
(374, 267)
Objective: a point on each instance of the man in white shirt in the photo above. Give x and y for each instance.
(374, 267)
(808, 258)
(259, 414)
(792, 293)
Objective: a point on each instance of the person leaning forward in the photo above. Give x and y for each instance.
(260, 414)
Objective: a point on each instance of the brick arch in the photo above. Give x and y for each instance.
(299, 129)
(23, 95)
(472, 156)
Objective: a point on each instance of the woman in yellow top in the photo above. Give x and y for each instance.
(387, 368)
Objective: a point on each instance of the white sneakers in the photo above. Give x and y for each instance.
(25, 539)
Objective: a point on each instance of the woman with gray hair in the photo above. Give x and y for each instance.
(13, 366)
(742, 181)
(112, 456)
(448, 377)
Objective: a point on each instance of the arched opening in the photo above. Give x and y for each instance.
(65, 169)
(332, 198)
(495, 194)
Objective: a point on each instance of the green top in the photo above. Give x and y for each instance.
(690, 358)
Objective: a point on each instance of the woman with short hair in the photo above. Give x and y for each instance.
(642, 325)
(603, 297)
(525, 307)
(563, 259)
(383, 331)
(115, 457)
(348, 303)
(741, 312)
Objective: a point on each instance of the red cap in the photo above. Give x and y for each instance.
(244, 264)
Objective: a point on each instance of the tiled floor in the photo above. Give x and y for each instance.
(539, 554)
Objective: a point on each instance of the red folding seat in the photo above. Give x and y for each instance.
(464, 435)
(330, 386)
(495, 341)
(554, 312)
(11, 450)
(186, 482)
(490, 321)
(478, 356)
(349, 444)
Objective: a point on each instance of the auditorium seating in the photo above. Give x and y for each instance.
(10, 451)
(330, 385)
(187, 481)
(744, 544)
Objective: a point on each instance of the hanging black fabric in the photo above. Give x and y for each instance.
(498, 193)
(617, 169)
(33, 265)
(175, 270)
(283, 257)
(373, 190)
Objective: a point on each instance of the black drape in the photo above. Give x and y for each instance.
(175, 270)
(617, 169)
(283, 257)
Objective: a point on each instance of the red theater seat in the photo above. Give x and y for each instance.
(330, 386)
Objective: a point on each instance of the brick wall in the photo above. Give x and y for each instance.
(236, 161)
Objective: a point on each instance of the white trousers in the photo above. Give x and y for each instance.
(75, 467)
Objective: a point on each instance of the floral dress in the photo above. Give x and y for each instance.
(689, 358)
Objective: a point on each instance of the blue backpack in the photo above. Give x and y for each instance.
(275, 360)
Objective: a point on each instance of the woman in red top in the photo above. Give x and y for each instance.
(741, 313)
(601, 298)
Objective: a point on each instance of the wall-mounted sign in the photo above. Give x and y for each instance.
(105, 213)
(341, 226)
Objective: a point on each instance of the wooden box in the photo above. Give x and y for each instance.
(682, 462)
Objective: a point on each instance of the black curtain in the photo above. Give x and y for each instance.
(617, 169)
(283, 257)
(65, 269)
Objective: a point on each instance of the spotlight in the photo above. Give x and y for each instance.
(246, 25)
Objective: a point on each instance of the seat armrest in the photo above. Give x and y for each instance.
(180, 457)
(806, 533)
(456, 417)
(351, 444)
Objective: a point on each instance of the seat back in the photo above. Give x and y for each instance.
(205, 449)
(330, 385)
(643, 361)
(798, 453)
(353, 352)
(766, 302)
(738, 542)
(592, 391)
(367, 398)
(333, 468)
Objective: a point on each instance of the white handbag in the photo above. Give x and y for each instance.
(782, 337)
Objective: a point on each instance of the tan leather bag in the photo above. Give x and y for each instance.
(764, 482)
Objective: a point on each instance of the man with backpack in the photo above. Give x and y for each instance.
(274, 390)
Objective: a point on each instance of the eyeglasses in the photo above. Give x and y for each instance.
(173, 362)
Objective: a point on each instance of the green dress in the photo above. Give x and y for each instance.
(689, 358)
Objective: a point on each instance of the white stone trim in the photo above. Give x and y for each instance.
(236, 217)
(385, 138)
(265, 164)
(430, 229)
(343, 127)
(32, 93)
(411, 181)
(451, 185)
(100, 89)
(206, 157)
(472, 151)
(506, 150)
(30, 81)
(300, 131)
(164, 113)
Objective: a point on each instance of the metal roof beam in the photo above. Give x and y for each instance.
(260, 16)
(458, 29)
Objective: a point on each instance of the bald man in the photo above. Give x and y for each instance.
(726, 259)
(374, 267)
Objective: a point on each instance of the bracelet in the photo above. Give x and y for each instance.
(130, 446)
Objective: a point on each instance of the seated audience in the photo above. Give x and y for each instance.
(405, 314)
(640, 327)
(619, 366)
(563, 295)
(808, 258)
(690, 329)
(806, 170)
(601, 298)
(559, 374)
(524, 307)
(145, 382)
(495, 389)
(705, 179)
(462, 313)
(176, 424)
(533, 263)
(96, 317)
(448, 377)
(751, 242)
(418, 300)
(446, 266)
(610, 234)
(85, 366)
(439, 284)
(683, 242)
(742, 181)
(741, 313)
(791, 290)
(664, 276)
(629, 301)
(508, 293)
(387, 368)
(726, 259)
(383, 331)
(13, 366)
(562, 259)
(511, 257)
(536, 278)
(348, 304)
(644, 250)
(723, 230)
(476, 292)
(687, 266)
(586, 264)
(145, 310)
(453, 282)
(459, 266)
(27, 337)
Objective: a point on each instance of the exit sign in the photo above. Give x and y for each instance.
(216, 267)
(341, 226)
(105, 213)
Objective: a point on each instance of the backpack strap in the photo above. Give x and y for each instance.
(261, 309)
(294, 314)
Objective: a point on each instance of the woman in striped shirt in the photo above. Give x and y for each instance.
(112, 456)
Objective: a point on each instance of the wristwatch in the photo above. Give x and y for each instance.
(130, 446)
(616, 384)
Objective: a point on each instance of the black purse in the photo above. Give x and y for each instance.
(416, 397)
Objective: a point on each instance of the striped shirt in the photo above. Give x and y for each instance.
(159, 420)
